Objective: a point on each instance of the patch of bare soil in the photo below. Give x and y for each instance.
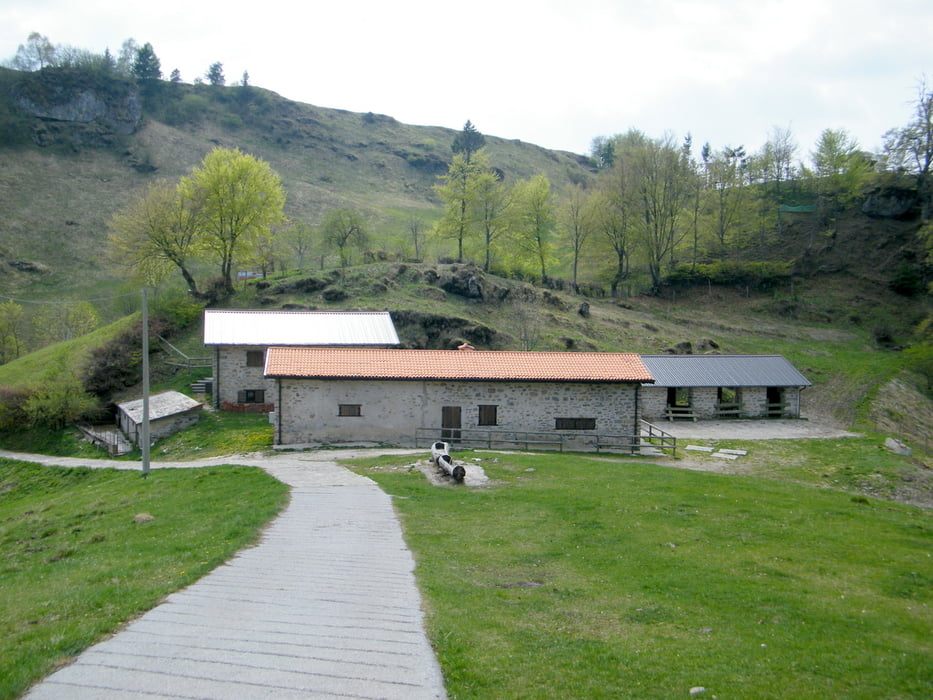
(902, 411)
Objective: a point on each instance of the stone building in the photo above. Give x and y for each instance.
(395, 396)
(709, 387)
(239, 340)
(169, 412)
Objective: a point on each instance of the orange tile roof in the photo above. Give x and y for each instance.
(466, 365)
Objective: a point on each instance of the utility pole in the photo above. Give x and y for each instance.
(144, 428)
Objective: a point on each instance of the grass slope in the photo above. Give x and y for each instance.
(58, 198)
(76, 565)
(572, 576)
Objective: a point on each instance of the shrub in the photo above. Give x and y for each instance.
(12, 413)
(118, 364)
(907, 280)
(176, 309)
(56, 405)
(760, 275)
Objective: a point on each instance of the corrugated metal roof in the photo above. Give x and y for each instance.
(168, 403)
(232, 327)
(723, 370)
(479, 365)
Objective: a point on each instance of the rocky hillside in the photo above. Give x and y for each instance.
(74, 149)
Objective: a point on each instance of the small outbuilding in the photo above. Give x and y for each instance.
(710, 387)
(169, 412)
(393, 396)
(240, 338)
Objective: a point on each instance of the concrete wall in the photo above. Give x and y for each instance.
(307, 410)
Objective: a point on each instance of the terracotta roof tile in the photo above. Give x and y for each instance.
(479, 365)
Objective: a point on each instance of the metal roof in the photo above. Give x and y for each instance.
(232, 327)
(723, 370)
(462, 365)
(168, 403)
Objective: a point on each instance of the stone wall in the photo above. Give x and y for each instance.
(392, 411)
(705, 401)
(232, 375)
(161, 427)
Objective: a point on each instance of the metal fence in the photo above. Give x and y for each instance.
(651, 436)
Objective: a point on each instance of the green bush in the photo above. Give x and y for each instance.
(58, 404)
(760, 275)
(12, 414)
(177, 309)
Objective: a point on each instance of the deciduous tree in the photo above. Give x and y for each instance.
(577, 221)
(342, 229)
(535, 220)
(493, 209)
(236, 197)
(37, 53)
(840, 168)
(728, 172)
(612, 211)
(12, 331)
(156, 233)
(458, 192)
(662, 177)
(911, 148)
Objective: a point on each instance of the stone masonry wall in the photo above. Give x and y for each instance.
(231, 375)
(391, 411)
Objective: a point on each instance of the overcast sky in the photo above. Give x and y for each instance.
(551, 72)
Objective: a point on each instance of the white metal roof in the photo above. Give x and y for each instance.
(723, 370)
(168, 403)
(298, 328)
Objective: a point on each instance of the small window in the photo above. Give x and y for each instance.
(350, 410)
(251, 396)
(255, 358)
(575, 424)
(488, 415)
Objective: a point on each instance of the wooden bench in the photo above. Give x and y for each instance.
(685, 412)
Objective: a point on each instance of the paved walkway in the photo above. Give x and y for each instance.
(751, 430)
(324, 607)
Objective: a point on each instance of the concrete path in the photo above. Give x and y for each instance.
(324, 607)
(751, 430)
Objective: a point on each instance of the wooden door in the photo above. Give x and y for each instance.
(450, 423)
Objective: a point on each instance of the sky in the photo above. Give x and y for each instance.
(556, 73)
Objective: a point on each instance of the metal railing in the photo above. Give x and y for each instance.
(559, 441)
(658, 438)
(186, 361)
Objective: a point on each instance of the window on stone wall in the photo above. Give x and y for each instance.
(575, 424)
(255, 358)
(251, 396)
(488, 415)
(350, 410)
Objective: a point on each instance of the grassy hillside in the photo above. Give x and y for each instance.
(836, 319)
(57, 198)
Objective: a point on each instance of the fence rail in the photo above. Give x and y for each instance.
(186, 361)
(651, 436)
